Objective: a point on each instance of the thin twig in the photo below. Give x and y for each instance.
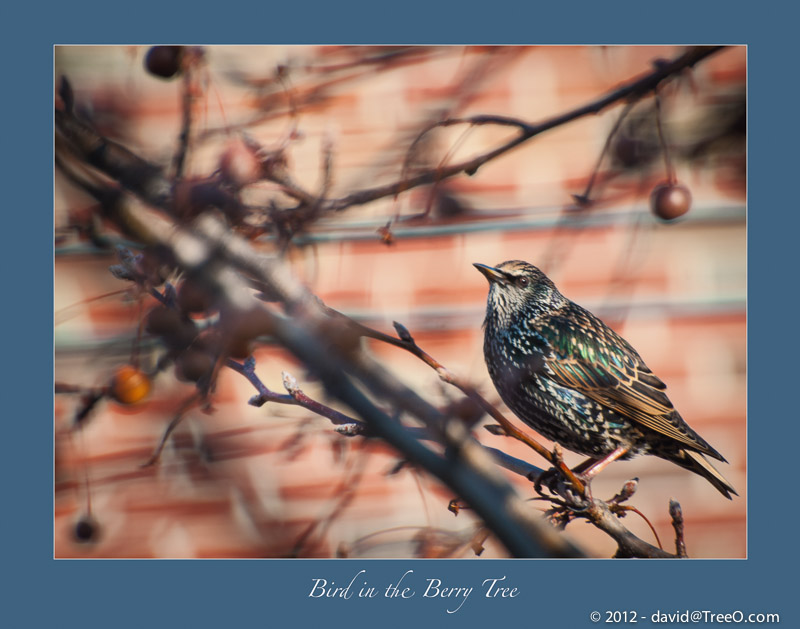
(346, 492)
(628, 545)
(663, 141)
(173, 424)
(333, 415)
(349, 425)
(619, 509)
(584, 199)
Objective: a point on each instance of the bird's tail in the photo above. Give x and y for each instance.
(697, 463)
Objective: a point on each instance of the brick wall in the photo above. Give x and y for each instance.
(242, 481)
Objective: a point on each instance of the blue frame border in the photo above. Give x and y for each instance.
(212, 593)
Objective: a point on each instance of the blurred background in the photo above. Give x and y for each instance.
(276, 481)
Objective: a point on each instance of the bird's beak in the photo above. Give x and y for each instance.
(491, 273)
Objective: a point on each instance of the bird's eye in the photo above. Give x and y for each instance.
(523, 282)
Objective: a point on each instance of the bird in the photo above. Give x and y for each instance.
(575, 381)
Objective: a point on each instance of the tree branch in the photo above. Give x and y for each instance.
(632, 90)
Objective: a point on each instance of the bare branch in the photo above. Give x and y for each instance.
(193, 400)
(335, 416)
(628, 545)
(632, 90)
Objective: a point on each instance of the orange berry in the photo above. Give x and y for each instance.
(129, 385)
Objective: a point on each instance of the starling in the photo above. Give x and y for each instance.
(573, 379)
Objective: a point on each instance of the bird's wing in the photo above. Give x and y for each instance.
(591, 358)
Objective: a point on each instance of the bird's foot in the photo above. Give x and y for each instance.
(565, 483)
(560, 486)
(567, 502)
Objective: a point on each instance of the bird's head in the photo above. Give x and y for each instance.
(518, 289)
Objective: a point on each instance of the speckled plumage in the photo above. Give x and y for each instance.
(577, 382)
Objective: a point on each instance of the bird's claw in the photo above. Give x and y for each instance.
(548, 478)
(558, 485)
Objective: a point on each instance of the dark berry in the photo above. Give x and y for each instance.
(193, 364)
(241, 329)
(668, 201)
(152, 267)
(176, 331)
(86, 530)
(193, 297)
(164, 61)
(162, 321)
(627, 152)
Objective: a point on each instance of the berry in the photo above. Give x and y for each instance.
(129, 385)
(86, 530)
(193, 297)
(162, 321)
(176, 331)
(668, 201)
(152, 267)
(193, 364)
(627, 152)
(241, 329)
(164, 61)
